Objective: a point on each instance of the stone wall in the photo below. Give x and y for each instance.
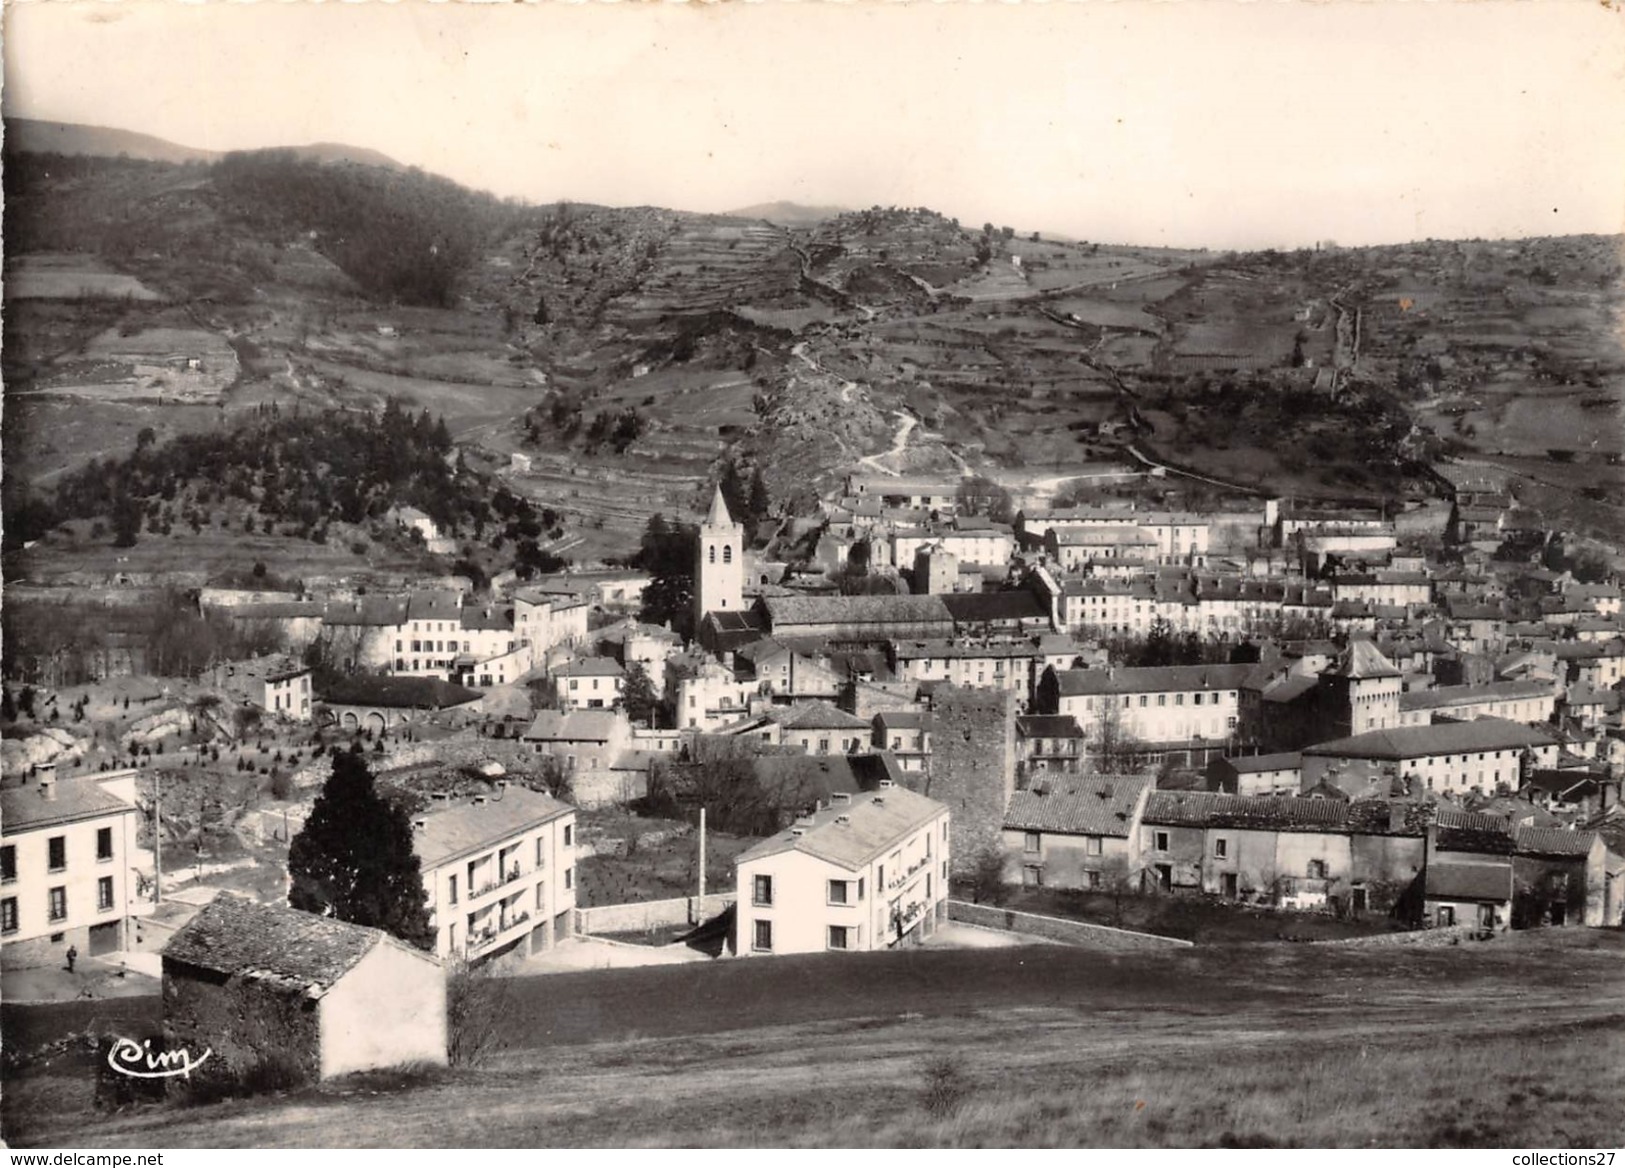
(245, 1024)
(972, 767)
(1059, 929)
(651, 914)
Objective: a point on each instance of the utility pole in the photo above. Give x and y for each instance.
(157, 837)
(702, 861)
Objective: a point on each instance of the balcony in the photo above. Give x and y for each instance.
(494, 935)
(514, 873)
(898, 882)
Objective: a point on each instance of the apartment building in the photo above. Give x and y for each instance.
(499, 871)
(1444, 757)
(869, 872)
(68, 867)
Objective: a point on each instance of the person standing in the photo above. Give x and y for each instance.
(73, 955)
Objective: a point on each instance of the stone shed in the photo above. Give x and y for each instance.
(258, 985)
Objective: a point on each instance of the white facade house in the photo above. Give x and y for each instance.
(869, 872)
(595, 684)
(279, 684)
(499, 871)
(67, 867)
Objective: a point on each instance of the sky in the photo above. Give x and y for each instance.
(1198, 123)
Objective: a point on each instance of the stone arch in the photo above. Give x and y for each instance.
(376, 722)
(727, 553)
(350, 721)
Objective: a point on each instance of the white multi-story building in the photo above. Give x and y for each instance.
(277, 684)
(499, 871)
(68, 867)
(870, 872)
(594, 684)
(1155, 704)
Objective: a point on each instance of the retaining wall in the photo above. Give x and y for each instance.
(1058, 928)
(650, 914)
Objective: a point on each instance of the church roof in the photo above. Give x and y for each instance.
(718, 515)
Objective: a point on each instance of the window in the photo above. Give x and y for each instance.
(1161, 841)
(104, 893)
(1142, 701)
(713, 556)
(1162, 699)
(1221, 848)
(104, 843)
(541, 896)
(569, 877)
(761, 891)
(8, 863)
(451, 893)
(58, 848)
(8, 915)
(837, 892)
(541, 852)
(823, 746)
(1196, 699)
(1092, 879)
(59, 904)
(727, 553)
(569, 834)
(1317, 869)
(1031, 842)
(762, 937)
(860, 887)
(1091, 845)
(837, 936)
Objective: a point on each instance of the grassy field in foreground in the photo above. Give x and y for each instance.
(1246, 1046)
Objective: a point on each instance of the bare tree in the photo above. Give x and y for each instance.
(1113, 750)
(479, 1007)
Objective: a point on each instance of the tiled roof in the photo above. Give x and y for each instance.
(973, 608)
(819, 715)
(574, 726)
(851, 835)
(487, 618)
(1467, 695)
(1552, 841)
(23, 808)
(904, 719)
(1289, 760)
(438, 606)
(1362, 660)
(370, 611)
(1278, 812)
(1154, 679)
(452, 829)
(298, 951)
(1291, 688)
(591, 667)
(1102, 537)
(1405, 742)
(1082, 805)
(855, 610)
(1048, 726)
(1469, 880)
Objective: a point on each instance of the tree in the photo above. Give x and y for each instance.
(1114, 751)
(982, 496)
(354, 860)
(987, 875)
(666, 552)
(638, 694)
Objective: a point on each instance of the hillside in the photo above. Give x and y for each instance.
(787, 214)
(1320, 1046)
(34, 136)
(608, 362)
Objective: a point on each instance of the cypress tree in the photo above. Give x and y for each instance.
(354, 859)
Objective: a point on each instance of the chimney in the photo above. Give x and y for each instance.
(419, 824)
(841, 797)
(47, 782)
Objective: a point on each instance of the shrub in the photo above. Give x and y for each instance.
(946, 1087)
(272, 1071)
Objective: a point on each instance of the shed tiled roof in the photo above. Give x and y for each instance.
(574, 726)
(299, 951)
(1084, 805)
(1048, 726)
(1466, 695)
